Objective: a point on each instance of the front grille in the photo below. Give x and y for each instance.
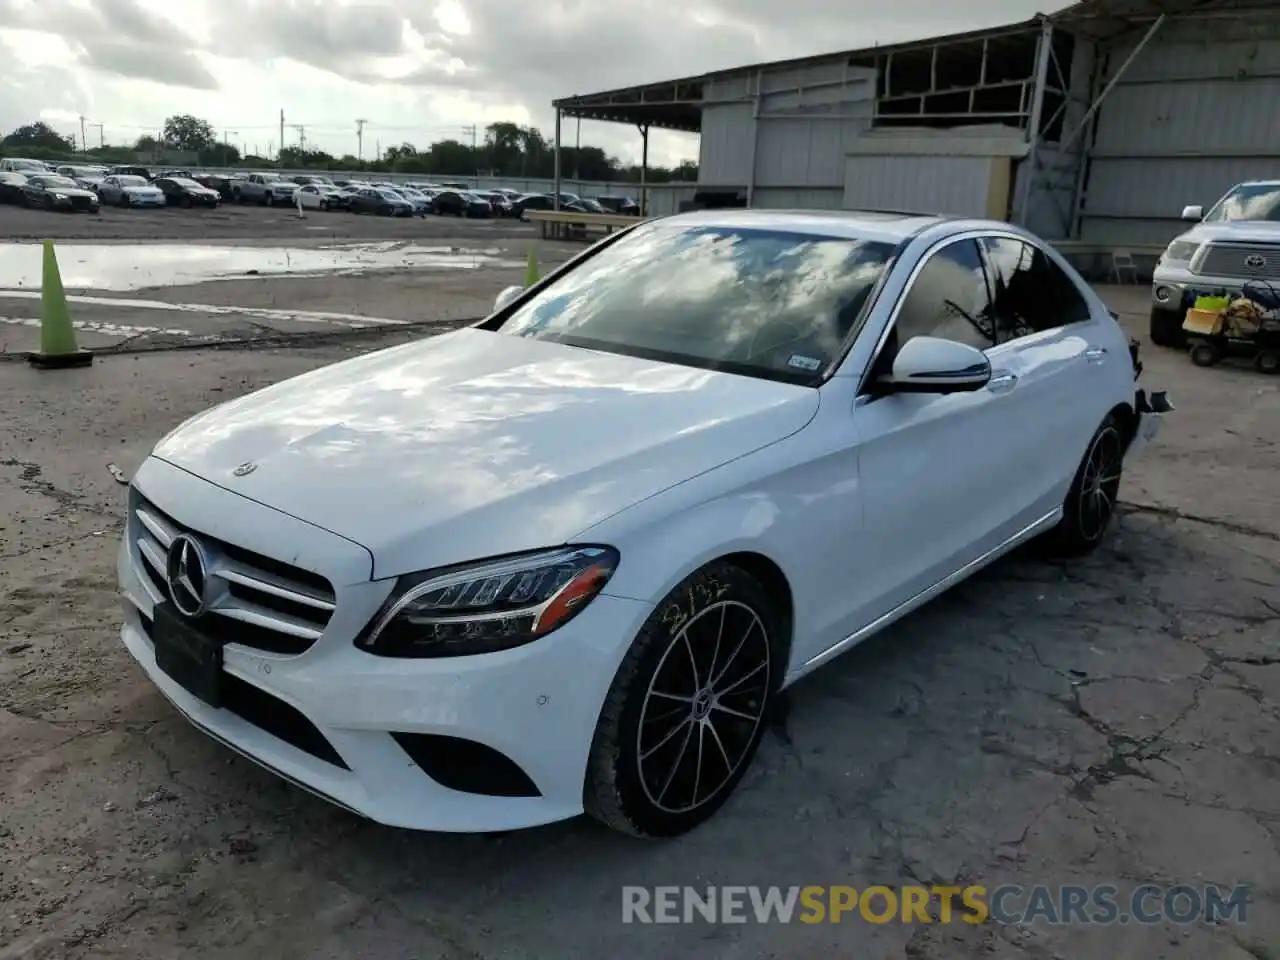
(81, 203)
(1240, 260)
(258, 602)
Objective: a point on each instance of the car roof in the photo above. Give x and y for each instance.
(890, 226)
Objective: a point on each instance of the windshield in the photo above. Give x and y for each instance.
(763, 303)
(131, 181)
(390, 195)
(1254, 201)
(55, 181)
(184, 182)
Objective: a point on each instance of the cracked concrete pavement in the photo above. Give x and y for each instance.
(1112, 720)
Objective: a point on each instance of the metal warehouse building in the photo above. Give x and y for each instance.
(1096, 124)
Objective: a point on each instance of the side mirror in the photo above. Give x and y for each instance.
(506, 297)
(934, 365)
(1194, 213)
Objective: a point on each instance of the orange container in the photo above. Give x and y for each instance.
(1206, 323)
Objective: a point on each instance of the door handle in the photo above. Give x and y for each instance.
(1003, 383)
(1096, 354)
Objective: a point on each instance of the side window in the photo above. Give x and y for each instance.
(1030, 293)
(949, 299)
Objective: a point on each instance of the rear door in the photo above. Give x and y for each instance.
(933, 468)
(1047, 337)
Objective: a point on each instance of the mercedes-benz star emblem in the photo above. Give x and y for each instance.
(1256, 261)
(185, 570)
(244, 469)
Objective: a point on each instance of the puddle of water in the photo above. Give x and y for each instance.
(134, 266)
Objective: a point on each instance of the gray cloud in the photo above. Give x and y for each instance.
(110, 18)
(319, 33)
(155, 62)
(516, 53)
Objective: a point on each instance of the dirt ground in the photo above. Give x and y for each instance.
(470, 262)
(1114, 720)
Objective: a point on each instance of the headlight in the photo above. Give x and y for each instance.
(1180, 250)
(60, 196)
(487, 606)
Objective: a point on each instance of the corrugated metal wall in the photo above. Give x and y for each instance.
(954, 185)
(793, 154)
(1197, 112)
(962, 172)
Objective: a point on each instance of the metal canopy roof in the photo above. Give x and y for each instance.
(677, 104)
(1105, 19)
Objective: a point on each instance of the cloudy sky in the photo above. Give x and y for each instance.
(416, 70)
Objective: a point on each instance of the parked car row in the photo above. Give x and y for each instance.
(35, 183)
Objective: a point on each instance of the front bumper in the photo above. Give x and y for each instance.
(138, 200)
(1151, 410)
(1175, 288)
(536, 705)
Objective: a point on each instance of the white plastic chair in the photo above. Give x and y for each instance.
(1122, 260)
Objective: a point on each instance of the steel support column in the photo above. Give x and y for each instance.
(755, 140)
(1088, 119)
(644, 169)
(556, 196)
(1128, 61)
(1044, 52)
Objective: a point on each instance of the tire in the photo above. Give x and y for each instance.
(1268, 361)
(682, 648)
(1166, 329)
(1205, 353)
(1091, 499)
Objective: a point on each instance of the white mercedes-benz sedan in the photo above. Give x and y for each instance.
(565, 558)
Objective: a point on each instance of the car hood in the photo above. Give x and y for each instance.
(71, 192)
(474, 444)
(135, 189)
(1238, 231)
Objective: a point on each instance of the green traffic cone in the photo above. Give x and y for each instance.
(58, 348)
(531, 270)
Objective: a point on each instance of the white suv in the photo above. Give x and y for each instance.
(1238, 240)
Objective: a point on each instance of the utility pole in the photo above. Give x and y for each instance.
(226, 147)
(84, 146)
(302, 135)
(577, 152)
(280, 155)
(360, 140)
(475, 161)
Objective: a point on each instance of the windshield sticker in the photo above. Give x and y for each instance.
(801, 362)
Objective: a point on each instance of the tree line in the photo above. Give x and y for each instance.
(508, 150)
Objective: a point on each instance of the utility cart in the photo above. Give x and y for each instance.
(1247, 326)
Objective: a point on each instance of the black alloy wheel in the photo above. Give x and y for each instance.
(686, 711)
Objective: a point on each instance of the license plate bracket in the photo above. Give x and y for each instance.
(186, 655)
